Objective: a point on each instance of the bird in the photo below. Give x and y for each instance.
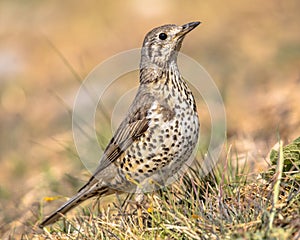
(159, 132)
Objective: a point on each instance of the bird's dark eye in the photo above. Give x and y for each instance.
(162, 36)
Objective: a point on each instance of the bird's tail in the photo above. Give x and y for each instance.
(71, 203)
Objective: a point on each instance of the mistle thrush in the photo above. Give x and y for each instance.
(161, 128)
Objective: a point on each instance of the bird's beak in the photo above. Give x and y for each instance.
(186, 28)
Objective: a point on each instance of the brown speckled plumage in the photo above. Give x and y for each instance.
(160, 131)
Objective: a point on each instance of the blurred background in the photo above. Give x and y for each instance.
(250, 48)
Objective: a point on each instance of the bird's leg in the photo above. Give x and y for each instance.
(139, 198)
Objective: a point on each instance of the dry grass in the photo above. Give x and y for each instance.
(223, 205)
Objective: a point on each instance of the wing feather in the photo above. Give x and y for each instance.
(133, 126)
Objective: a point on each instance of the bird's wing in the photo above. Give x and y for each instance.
(124, 136)
(132, 127)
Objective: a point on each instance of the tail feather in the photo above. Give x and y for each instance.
(71, 203)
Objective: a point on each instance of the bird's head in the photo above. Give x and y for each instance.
(161, 45)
